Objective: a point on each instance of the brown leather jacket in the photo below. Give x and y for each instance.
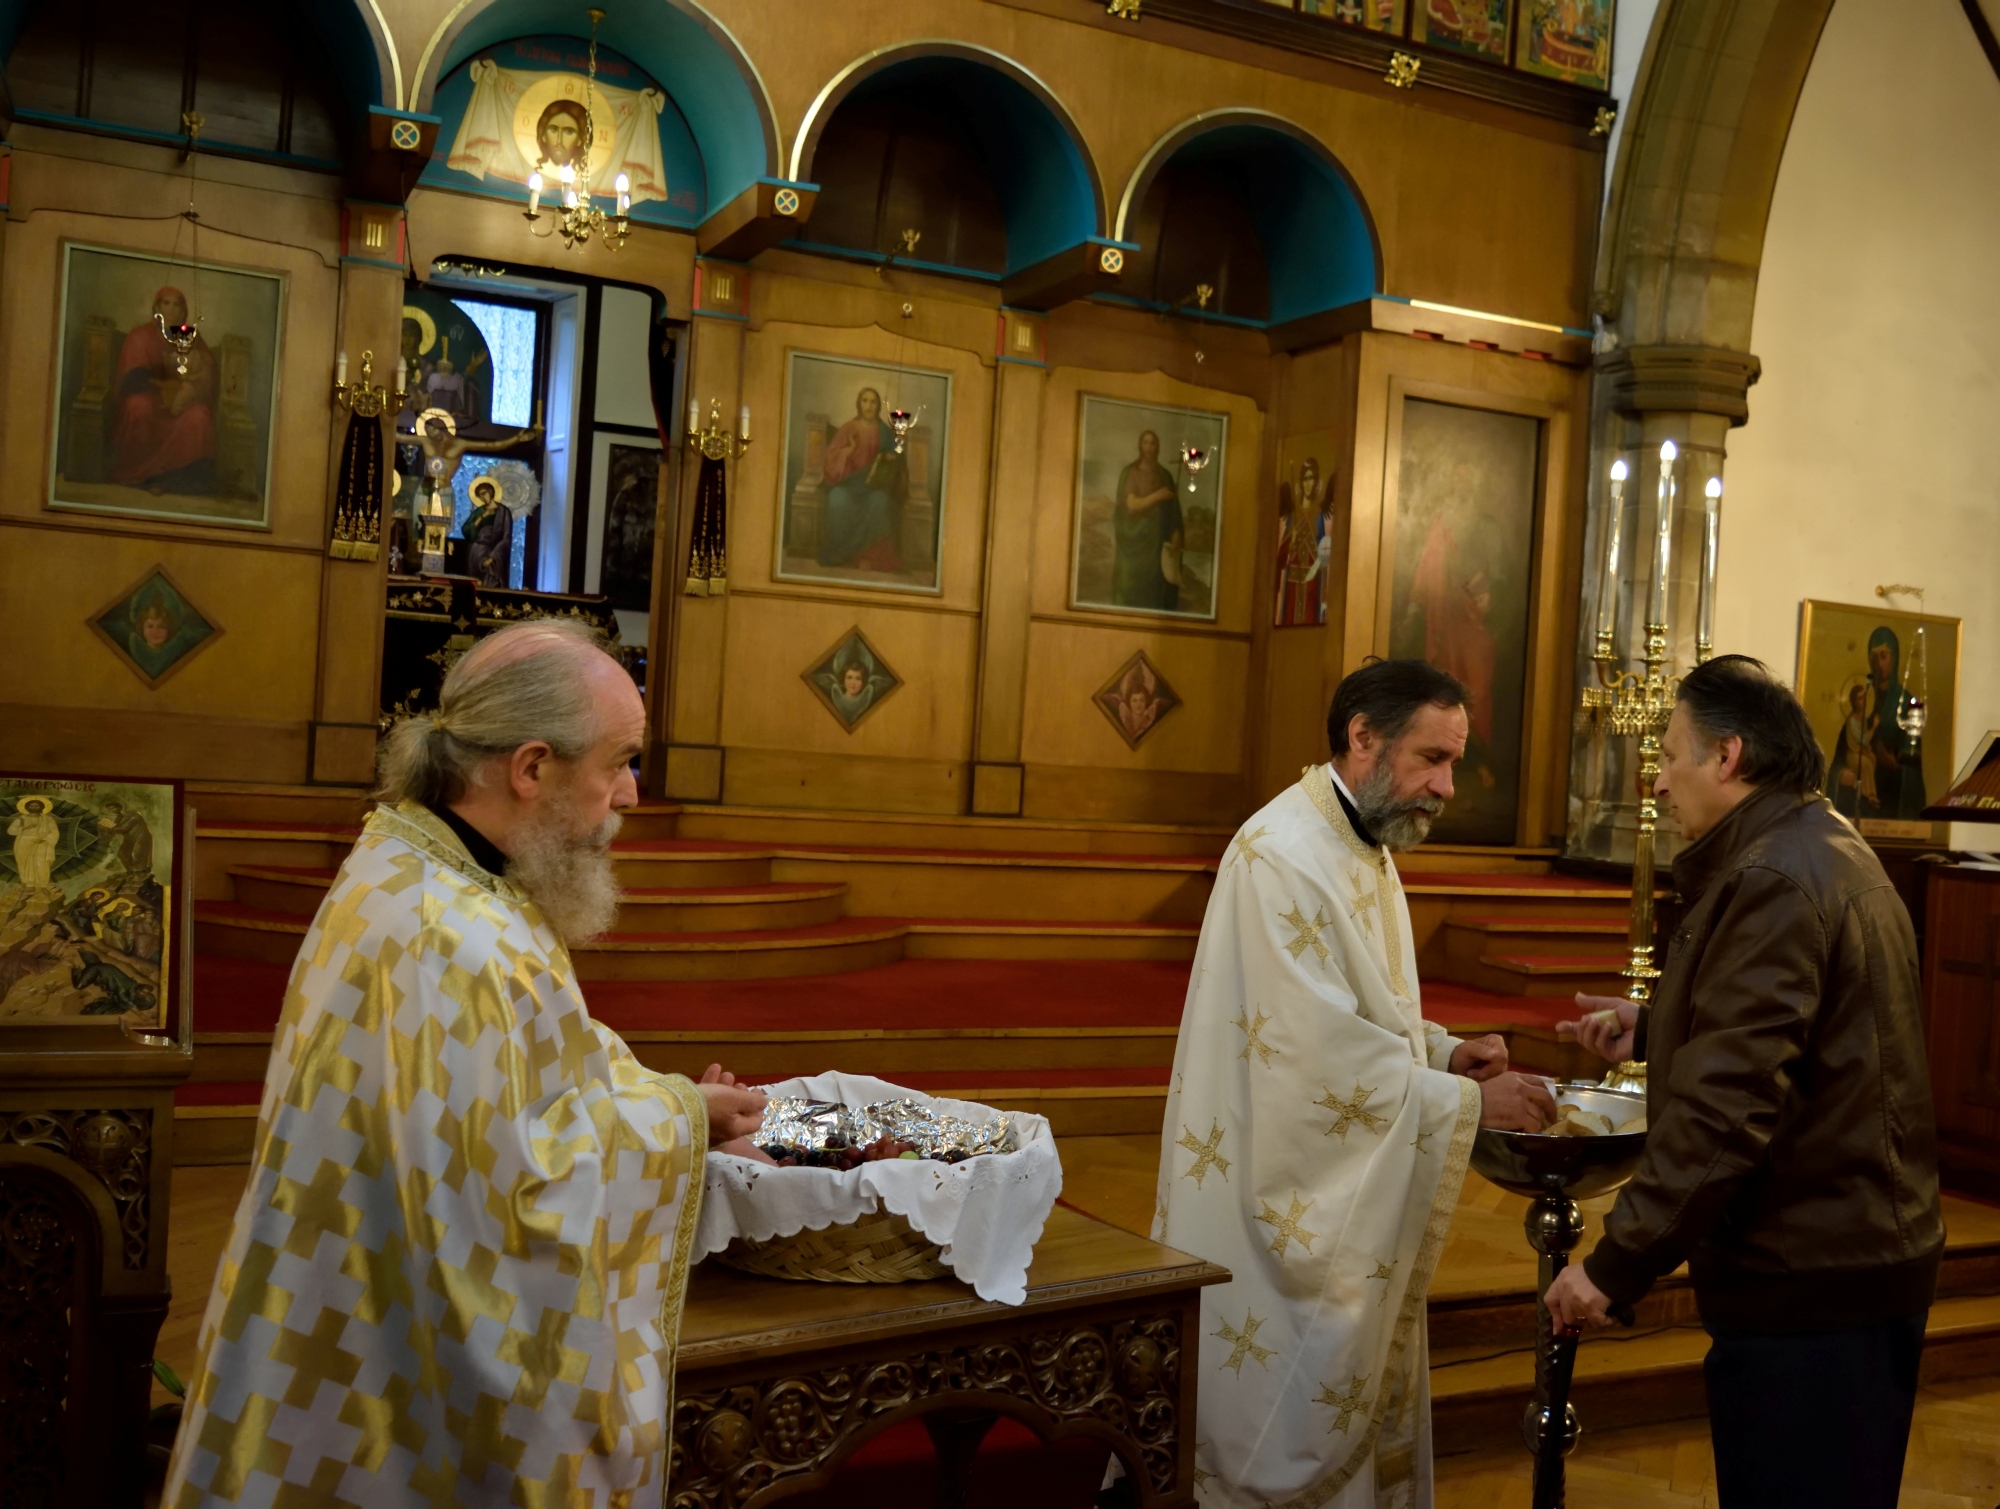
(1792, 1156)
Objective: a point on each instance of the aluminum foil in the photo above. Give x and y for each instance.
(814, 1125)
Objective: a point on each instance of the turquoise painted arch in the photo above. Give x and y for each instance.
(703, 69)
(361, 55)
(1319, 240)
(1042, 173)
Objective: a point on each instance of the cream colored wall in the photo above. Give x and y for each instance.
(1869, 457)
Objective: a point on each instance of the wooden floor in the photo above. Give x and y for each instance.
(1954, 1460)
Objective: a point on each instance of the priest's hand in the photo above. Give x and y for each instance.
(1607, 1029)
(734, 1111)
(1575, 1302)
(1514, 1102)
(743, 1147)
(1480, 1057)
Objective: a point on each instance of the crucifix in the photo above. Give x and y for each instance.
(1985, 1089)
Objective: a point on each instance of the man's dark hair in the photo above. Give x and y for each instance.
(1736, 697)
(1389, 694)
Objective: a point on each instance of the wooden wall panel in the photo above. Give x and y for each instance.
(768, 705)
(1070, 661)
(53, 581)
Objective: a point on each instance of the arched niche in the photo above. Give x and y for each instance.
(489, 118)
(705, 73)
(946, 139)
(290, 82)
(1256, 208)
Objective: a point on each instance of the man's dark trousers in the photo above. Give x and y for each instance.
(1813, 1420)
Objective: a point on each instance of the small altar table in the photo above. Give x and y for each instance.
(779, 1382)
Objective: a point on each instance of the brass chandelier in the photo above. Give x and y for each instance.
(579, 219)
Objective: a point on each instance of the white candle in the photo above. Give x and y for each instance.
(1668, 451)
(340, 369)
(1607, 606)
(1711, 545)
(568, 186)
(402, 374)
(743, 422)
(534, 190)
(624, 187)
(694, 416)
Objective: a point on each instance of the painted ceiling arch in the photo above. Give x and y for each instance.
(1049, 191)
(364, 63)
(1319, 240)
(702, 67)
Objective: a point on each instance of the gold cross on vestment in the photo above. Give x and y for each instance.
(1420, 1139)
(1246, 848)
(1351, 1111)
(1206, 1155)
(1243, 1344)
(1287, 1226)
(1387, 1273)
(1349, 1404)
(1364, 898)
(1250, 1028)
(1308, 932)
(1200, 1476)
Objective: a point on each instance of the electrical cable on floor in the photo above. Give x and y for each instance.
(1528, 1350)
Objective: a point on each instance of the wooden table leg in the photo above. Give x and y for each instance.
(955, 1436)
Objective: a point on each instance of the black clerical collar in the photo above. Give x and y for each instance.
(485, 853)
(1354, 818)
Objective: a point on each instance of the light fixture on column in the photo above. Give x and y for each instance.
(578, 219)
(708, 534)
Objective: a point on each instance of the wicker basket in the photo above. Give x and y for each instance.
(878, 1249)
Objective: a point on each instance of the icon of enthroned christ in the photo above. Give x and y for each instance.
(518, 122)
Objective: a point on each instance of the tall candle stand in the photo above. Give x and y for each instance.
(1628, 703)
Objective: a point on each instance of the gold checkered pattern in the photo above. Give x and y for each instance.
(456, 1276)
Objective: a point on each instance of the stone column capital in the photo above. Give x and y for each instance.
(1683, 379)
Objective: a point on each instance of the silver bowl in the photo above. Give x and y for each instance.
(1533, 1163)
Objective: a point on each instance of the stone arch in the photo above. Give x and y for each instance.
(1684, 226)
(695, 58)
(1049, 187)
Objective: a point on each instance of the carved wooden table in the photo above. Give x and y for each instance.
(779, 1382)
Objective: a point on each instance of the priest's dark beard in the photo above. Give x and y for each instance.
(568, 875)
(1396, 825)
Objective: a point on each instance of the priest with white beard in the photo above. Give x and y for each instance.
(1318, 1128)
(457, 1270)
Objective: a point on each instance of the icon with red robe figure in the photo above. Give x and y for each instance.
(1464, 533)
(163, 425)
(166, 387)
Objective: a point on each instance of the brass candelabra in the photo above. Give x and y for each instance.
(1631, 704)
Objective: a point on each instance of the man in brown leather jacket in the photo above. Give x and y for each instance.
(1792, 1159)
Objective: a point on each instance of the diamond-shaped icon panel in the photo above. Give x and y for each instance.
(852, 679)
(1135, 699)
(154, 628)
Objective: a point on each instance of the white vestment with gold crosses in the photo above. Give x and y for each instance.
(457, 1271)
(1315, 1146)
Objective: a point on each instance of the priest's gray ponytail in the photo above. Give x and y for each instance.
(516, 687)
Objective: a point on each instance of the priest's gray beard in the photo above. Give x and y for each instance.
(1395, 824)
(569, 875)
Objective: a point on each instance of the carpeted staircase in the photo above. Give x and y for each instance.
(1032, 965)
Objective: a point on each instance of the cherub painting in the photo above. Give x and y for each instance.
(851, 680)
(1135, 699)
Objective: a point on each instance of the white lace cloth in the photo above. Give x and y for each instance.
(985, 1214)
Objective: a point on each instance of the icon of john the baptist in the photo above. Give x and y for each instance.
(1146, 523)
(866, 485)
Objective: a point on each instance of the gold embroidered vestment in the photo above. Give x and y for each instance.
(457, 1271)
